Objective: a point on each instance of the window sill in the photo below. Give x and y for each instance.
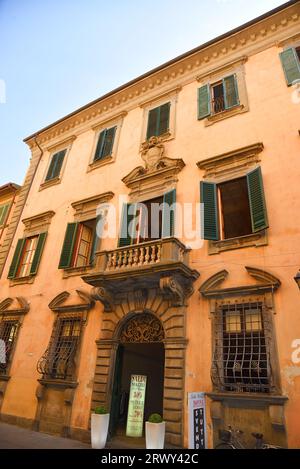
(225, 114)
(21, 280)
(50, 183)
(162, 138)
(99, 163)
(75, 271)
(254, 239)
(240, 399)
(58, 383)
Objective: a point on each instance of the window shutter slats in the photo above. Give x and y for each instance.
(51, 168)
(100, 143)
(16, 258)
(291, 65)
(38, 254)
(208, 194)
(108, 142)
(3, 213)
(168, 217)
(164, 118)
(96, 237)
(204, 102)
(231, 96)
(128, 214)
(257, 200)
(68, 246)
(59, 162)
(152, 122)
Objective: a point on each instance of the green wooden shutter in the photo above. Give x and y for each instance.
(100, 143)
(231, 96)
(68, 246)
(152, 122)
(108, 142)
(3, 213)
(96, 236)
(291, 65)
(168, 216)
(51, 167)
(163, 119)
(126, 238)
(16, 258)
(204, 109)
(257, 202)
(59, 162)
(38, 253)
(208, 195)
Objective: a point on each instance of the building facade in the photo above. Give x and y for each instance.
(209, 307)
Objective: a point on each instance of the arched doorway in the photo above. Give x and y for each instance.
(140, 351)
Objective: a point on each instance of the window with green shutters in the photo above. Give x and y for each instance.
(80, 244)
(3, 214)
(234, 208)
(105, 143)
(218, 97)
(158, 120)
(55, 166)
(290, 59)
(149, 220)
(27, 256)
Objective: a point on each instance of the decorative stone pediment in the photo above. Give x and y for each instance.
(38, 223)
(266, 283)
(63, 302)
(159, 170)
(18, 305)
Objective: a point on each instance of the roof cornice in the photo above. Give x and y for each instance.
(262, 32)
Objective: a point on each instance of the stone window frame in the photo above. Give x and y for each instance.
(18, 312)
(236, 67)
(63, 145)
(114, 121)
(34, 226)
(226, 167)
(156, 101)
(86, 209)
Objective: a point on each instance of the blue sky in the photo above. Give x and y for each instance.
(57, 55)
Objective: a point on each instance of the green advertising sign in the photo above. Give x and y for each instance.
(136, 405)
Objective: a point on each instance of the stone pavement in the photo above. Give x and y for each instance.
(12, 437)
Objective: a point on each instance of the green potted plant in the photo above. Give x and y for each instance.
(155, 432)
(99, 427)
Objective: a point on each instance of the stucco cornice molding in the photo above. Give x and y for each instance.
(162, 95)
(94, 201)
(21, 306)
(266, 283)
(58, 303)
(113, 118)
(229, 65)
(65, 142)
(253, 38)
(231, 160)
(40, 219)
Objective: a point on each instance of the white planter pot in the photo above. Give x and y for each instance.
(155, 435)
(99, 429)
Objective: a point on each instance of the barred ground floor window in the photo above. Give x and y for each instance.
(242, 337)
(9, 326)
(59, 360)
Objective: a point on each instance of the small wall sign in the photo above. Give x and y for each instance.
(135, 418)
(197, 420)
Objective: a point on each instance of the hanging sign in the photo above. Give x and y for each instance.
(197, 420)
(135, 418)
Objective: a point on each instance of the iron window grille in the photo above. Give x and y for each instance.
(241, 359)
(59, 360)
(8, 333)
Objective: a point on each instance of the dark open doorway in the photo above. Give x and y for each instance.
(137, 359)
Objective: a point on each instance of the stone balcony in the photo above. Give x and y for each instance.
(162, 263)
